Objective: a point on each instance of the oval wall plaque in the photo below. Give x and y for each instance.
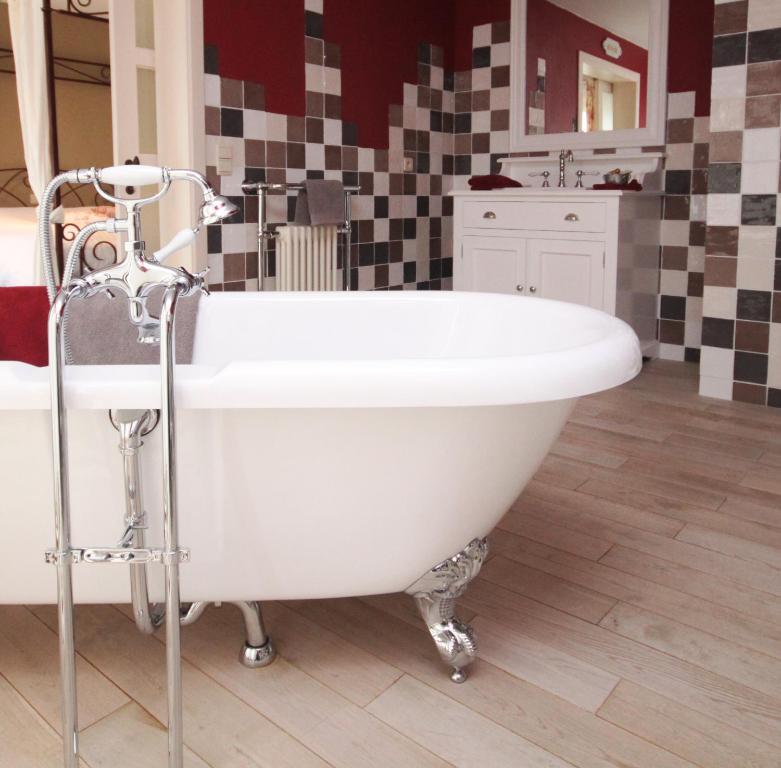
(612, 48)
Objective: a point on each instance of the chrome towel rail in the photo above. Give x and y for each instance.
(266, 233)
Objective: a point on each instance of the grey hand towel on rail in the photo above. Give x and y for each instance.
(321, 201)
(98, 331)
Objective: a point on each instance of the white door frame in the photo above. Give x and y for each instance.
(177, 61)
(181, 126)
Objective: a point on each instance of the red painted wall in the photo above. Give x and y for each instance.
(469, 14)
(261, 41)
(557, 35)
(379, 47)
(690, 45)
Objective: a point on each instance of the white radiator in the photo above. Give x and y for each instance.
(306, 258)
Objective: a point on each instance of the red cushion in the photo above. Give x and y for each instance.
(23, 316)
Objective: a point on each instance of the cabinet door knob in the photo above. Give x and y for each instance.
(519, 288)
(532, 289)
(571, 217)
(489, 215)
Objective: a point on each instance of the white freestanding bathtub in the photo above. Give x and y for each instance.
(329, 444)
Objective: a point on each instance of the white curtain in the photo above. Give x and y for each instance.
(29, 47)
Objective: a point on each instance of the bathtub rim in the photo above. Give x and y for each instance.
(573, 372)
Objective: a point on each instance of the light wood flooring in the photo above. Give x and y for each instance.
(629, 616)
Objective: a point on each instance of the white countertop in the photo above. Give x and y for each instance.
(552, 192)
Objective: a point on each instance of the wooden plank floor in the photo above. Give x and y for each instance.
(629, 617)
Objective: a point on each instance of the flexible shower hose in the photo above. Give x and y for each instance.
(44, 229)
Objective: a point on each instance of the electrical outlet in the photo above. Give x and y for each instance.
(408, 165)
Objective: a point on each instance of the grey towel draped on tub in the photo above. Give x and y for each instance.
(98, 331)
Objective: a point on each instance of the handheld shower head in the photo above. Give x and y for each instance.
(215, 208)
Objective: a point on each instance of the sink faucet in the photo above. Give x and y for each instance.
(565, 156)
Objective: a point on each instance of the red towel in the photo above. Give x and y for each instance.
(493, 181)
(634, 186)
(24, 311)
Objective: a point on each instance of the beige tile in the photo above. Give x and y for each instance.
(714, 588)
(760, 631)
(727, 114)
(757, 242)
(548, 589)
(731, 660)
(620, 512)
(763, 77)
(308, 710)
(702, 128)
(455, 732)
(690, 685)
(683, 731)
(357, 675)
(129, 738)
(220, 727)
(557, 536)
(679, 156)
(755, 274)
(764, 14)
(29, 660)
(26, 741)
(546, 720)
(763, 111)
(726, 147)
(728, 83)
(765, 555)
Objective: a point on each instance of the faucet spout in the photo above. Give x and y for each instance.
(565, 156)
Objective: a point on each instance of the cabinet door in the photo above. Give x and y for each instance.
(490, 264)
(567, 270)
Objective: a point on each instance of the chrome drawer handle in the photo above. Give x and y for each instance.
(532, 289)
(571, 217)
(489, 215)
(519, 288)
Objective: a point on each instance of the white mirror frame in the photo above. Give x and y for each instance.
(656, 99)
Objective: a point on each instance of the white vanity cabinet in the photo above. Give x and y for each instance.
(600, 249)
(555, 269)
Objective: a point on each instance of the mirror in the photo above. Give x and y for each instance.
(588, 73)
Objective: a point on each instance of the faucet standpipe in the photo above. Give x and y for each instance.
(135, 277)
(565, 156)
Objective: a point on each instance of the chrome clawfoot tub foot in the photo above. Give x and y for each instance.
(436, 593)
(258, 650)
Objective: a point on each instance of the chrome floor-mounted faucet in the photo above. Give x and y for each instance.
(135, 276)
(565, 156)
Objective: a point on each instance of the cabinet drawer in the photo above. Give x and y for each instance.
(551, 216)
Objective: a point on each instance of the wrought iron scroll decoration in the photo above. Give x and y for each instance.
(17, 177)
(67, 69)
(90, 257)
(77, 7)
(81, 194)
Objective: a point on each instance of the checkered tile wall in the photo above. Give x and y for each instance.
(741, 326)
(402, 224)
(450, 126)
(683, 230)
